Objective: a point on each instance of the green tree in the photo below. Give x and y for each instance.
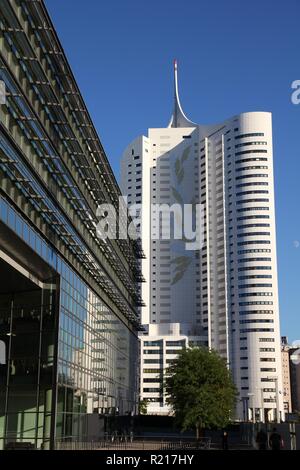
(143, 404)
(200, 389)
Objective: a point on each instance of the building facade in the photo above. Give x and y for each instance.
(295, 378)
(286, 377)
(291, 375)
(224, 293)
(68, 300)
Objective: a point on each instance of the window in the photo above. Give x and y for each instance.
(247, 201)
(153, 343)
(261, 142)
(259, 320)
(152, 351)
(257, 250)
(255, 191)
(244, 168)
(245, 209)
(176, 343)
(152, 390)
(152, 361)
(241, 227)
(249, 286)
(267, 359)
(151, 380)
(254, 134)
(257, 302)
(256, 159)
(255, 276)
(243, 152)
(266, 340)
(256, 294)
(12, 220)
(255, 312)
(254, 242)
(257, 330)
(250, 217)
(247, 260)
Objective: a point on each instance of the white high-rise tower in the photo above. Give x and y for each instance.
(223, 295)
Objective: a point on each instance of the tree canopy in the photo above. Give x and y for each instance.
(200, 389)
(143, 405)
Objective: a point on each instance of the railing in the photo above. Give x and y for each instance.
(19, 446)
(128, 443)
(203, 443)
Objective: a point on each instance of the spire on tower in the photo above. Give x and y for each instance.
(178, 119)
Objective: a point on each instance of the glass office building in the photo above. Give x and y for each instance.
(68, 300)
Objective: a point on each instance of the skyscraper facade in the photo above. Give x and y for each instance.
(290, 354)
(223, 293)
(286, 376)
(68, 300)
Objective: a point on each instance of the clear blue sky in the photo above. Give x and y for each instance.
(234, 56)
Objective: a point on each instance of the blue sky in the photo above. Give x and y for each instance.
(233, 56)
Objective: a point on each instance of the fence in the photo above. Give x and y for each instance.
(121, 443)
(290, 433)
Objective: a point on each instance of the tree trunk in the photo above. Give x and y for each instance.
(199, 430)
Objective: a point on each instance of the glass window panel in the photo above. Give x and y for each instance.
(44, 251)
(38, 245)
(12, 219)
(25, 233)
(32, 238)
(4, 212)
(59, 265)
(19, 226)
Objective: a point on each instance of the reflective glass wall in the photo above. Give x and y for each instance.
(27, 328)
(67, 355)
(97, 359)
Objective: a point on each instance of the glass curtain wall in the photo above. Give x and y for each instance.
(27, 328)
(89, 367)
